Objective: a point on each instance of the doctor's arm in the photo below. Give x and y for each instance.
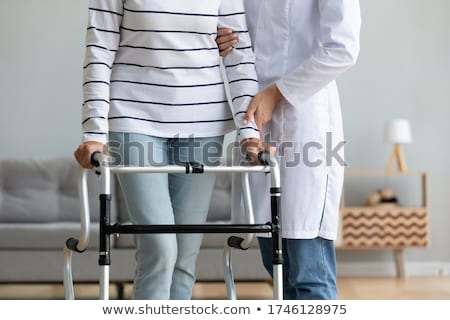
(340, 23)
(225, 40)
(263, 104)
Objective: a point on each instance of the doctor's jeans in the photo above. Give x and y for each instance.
(309, 268)
(165, 262)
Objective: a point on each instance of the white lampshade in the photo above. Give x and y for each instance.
(397, 131)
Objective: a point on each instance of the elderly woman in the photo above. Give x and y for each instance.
(153, 89)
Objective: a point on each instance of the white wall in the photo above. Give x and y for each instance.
(403, 71)
(41, 60)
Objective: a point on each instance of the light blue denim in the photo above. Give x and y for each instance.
(309, 268)
(165, 262)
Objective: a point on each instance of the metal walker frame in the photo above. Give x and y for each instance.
(104, 171)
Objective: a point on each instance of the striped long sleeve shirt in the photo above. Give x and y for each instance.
(153, 67)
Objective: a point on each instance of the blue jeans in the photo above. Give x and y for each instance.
(309, 268)
(165, 262)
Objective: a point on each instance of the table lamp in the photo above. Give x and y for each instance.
(398, 132)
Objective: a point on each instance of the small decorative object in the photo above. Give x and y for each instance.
(398, 132)
(384, 196)
(373, 199)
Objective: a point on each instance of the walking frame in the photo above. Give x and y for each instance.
(104, 171)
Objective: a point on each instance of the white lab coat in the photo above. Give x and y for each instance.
(303, 46)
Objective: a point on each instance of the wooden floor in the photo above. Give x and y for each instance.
(413, 288)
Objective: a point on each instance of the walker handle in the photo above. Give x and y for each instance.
(98, 159)
(266, 158)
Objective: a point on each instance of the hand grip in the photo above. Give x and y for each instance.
(96, 158)
(266, 158)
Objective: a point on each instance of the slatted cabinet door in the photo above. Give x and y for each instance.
(385, 226)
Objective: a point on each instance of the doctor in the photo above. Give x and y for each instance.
(301, 47)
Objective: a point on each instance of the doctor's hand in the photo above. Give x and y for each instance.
(225, 40)
(262, 106)
(251, 147)
(85, 150)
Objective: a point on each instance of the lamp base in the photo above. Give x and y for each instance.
(397, 154)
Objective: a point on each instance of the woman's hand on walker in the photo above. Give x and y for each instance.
(85, 150)
(251, 147)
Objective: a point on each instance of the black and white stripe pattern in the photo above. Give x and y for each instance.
(153, 67)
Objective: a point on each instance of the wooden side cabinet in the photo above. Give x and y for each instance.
(386, 226)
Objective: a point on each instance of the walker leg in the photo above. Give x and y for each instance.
(104, 260)
(278, 282)
(277, 249)
(229, 279)
(104, 283)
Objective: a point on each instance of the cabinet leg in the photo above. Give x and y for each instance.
(399, 263)
(120, 291)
